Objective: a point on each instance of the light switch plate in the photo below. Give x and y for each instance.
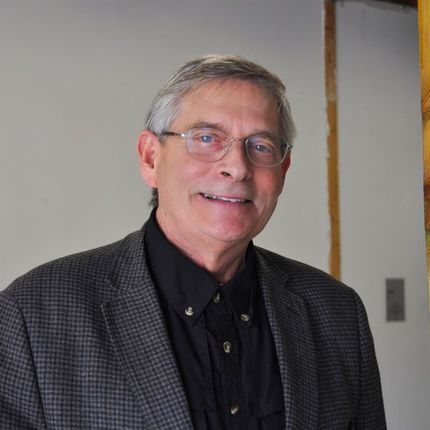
(395, 299)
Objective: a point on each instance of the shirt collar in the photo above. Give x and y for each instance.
(187, 287)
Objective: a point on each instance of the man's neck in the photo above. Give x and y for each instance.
(222, 259)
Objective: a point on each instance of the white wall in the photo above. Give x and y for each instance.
(382, 230)
(77, 78)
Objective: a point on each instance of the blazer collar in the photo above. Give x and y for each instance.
(292, 334)
(139, 335)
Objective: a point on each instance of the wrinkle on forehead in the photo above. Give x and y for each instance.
(229, 86)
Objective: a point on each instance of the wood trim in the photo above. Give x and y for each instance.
(424, 37)
(332, 136)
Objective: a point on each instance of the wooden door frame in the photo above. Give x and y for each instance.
(330, 69)
(424, 37)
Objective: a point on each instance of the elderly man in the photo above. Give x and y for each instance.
(185, 323)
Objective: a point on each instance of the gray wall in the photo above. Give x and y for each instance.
(77, 78)
(381, 194)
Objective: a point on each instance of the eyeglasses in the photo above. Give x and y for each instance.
(212, 144)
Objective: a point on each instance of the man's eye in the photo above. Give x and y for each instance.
(262, 146)
(259, 147)
(206, 138)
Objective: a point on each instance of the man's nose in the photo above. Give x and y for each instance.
(235, 163)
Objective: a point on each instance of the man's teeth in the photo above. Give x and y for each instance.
(223, 199)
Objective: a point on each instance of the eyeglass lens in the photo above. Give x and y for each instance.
(262, 149)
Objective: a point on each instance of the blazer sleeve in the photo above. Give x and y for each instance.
(370, 411)
(20, 402)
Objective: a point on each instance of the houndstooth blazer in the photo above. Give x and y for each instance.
(83, 345)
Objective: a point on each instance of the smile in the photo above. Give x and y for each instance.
(224, 199)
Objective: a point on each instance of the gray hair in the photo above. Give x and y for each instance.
(202, 70)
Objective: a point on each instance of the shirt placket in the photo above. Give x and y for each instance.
(221, 321)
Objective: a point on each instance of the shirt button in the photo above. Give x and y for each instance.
(244, 317)
(234, 408)
(217, 297)
(189, 311)
(226, 346)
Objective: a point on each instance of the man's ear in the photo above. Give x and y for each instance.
(284, 167)
(286, 164)
(148, 147)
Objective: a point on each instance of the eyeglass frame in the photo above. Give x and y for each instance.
(228, 144)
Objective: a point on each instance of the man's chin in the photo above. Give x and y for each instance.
(228, 235)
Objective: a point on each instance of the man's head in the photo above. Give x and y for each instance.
(202, 70)
(232, 195)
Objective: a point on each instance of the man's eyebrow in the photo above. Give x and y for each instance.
(204, 124)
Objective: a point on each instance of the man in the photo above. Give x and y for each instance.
(185, 324)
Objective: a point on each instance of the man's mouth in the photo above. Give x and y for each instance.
(224, 199)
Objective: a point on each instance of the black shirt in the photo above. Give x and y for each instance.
(221, 338)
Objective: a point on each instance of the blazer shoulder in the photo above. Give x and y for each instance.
(305, 280)
(80, 269)
(331, 305)
(296, 269)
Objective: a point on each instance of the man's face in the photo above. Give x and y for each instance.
(226, 202)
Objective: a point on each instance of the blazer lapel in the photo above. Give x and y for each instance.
(289, 322)
(139, 335)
